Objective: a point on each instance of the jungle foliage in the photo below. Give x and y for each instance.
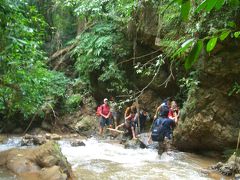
(97, 30)
(27, 85)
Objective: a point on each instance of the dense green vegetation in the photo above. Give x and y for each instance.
(27, 85)
(102, 34)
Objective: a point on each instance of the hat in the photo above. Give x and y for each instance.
(105, 99)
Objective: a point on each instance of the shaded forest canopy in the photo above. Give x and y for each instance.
(55, 53)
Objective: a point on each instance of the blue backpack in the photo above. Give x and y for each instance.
(158, 130)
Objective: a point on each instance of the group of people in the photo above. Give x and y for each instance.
(165, 119)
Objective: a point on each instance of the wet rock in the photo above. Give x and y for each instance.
(53, 136)
(237, 176)
(3, 138)
(229, 168)
(53, 173)
(134, 144)
(29, 140)
(85, 124)
(75, 143)
(56, 137)
(43, 162)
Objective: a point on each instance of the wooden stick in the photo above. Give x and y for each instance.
(115, 130)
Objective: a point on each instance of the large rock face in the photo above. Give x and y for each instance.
(210, 120)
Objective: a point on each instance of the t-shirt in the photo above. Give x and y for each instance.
(171, 113)
(105, 109)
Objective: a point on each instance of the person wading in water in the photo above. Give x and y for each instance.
(104, 116)
(129, 123)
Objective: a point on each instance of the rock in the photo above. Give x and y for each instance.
(46, 126)
(26, 142)
(134, 144)
(53, 136)
(29, 140)
(227, 169)
(48, 161)
(39, 140)
(3, 138)
(232, 166)
(56, 137)
(75, 143)
(211, 123)
(85, 124)
(43, 162)
(53, 173)
(237, 176)
(217, 166)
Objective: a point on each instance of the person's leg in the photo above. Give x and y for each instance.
(133, 133)
(102, 124)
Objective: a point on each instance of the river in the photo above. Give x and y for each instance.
(101, 159)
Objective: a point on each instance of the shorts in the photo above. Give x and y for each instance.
(130, 124)
(104, 121)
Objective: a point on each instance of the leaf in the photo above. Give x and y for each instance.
(185, 9)
(211, 44)
(231, 24)
(210, 5)
(184, 47)
(201, 6)
(194, 54)
(219, 4)
(236, 34)
(224, 35)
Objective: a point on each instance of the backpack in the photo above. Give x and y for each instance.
(158, 131)
(99, 109)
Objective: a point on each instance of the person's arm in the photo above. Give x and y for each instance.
(178, 114)
(101, 113)
(128, 117)
(156, 113)
(108, 115)
(175, 120)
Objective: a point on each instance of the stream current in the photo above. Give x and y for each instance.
(102, 159)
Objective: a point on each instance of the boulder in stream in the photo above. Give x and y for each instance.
(77, 142)
(43, 162)
(232, 166)
(134, 144)
(29, 140)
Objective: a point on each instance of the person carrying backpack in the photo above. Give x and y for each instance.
(166, 104)
(104, 116)
(162, 126)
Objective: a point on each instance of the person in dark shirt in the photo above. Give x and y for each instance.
(164, 125)
(143, 117)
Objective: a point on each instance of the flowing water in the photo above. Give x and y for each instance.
(102, 160)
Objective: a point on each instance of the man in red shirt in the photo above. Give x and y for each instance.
(105, 116)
